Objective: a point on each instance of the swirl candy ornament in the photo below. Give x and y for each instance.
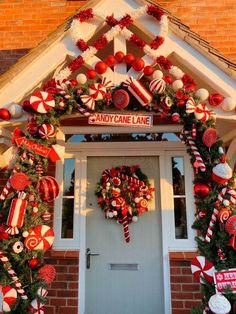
(40, 238)
(223, 215)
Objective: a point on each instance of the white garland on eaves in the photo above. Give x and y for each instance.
(110, 35)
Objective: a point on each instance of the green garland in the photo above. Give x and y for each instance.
(69, 103)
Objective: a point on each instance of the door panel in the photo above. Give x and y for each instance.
(124, 278)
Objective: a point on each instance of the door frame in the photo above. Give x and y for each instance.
(85, 150)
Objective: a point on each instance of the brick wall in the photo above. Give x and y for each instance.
(185, 291)
(63, 292)
(25, 23)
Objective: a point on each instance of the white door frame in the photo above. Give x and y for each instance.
(85, 150)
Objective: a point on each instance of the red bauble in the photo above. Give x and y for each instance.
(5, 114)
(209, 137)
(48, 188)
(148, 70)
(215, 99)
(32, 126)
(3, 235)
(91, 74)
(73, 82)
(138, 64)
(100, 67)
(175, 117)
(119, 56)
(26, 106)
(168, 79)
(201, 189)
(33, 262)
(110, 60)
(120, 99)
(129, 58)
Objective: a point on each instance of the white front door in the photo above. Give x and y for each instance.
(124, 278)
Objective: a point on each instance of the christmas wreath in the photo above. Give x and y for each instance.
(123, 194)
(163, 89)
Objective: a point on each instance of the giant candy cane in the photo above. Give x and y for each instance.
(220, 200)
(194, 150)
(11, 272)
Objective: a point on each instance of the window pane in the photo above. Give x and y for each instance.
(180, 218)
(178, 175)
(67, 218)
(69, 177)
(123, 137)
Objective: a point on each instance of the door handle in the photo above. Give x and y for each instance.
(88, 254)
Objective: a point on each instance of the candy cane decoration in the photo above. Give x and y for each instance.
(11, 272)
(194, 150)
(220, 200)
(7, 188)
(131, 179)
(126, 229)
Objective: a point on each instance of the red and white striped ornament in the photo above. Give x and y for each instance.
(40, 238)
(220, 200)
(83, 111)
(137, 89)
(157, 86)
(126, 229)
(37, 307)
(48, 188)
(8, 267)
(42, 102)
(47, 131)
(131, 179)
(16, 214)
(202, 269)
(97, 91)
(201, 112)
(9, 295)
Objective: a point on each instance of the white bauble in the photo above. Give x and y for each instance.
(226, 203)
(25, 234)
(228, 104)
(135, 218)
(202, 93)
(115, 213)
(81, 79)
(110, 215)
(15, 110)
(177, 84)
(157, 74)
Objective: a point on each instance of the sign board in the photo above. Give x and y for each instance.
(129, 120)
(225, 279)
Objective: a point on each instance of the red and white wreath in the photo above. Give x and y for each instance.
(123, 194)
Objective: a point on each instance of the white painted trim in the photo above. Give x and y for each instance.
(102, 129)
(128, 149)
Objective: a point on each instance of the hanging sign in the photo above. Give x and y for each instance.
(55, 152)
(144, 121)
(225, 279)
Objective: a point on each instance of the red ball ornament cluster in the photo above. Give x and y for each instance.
(137, 64)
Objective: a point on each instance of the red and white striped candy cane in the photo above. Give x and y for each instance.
(7, 188)
(220, 199)
(83, 111)
(131, 179)
(194, 150)
(126, 229)
(6, 264)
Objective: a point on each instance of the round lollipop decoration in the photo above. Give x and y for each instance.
(202, 269)
(42, 102)
(39, 238)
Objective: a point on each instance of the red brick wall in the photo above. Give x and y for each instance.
(185, 291)
(25, 23)
(63, 292)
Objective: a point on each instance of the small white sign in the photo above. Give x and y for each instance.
(144, 121)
